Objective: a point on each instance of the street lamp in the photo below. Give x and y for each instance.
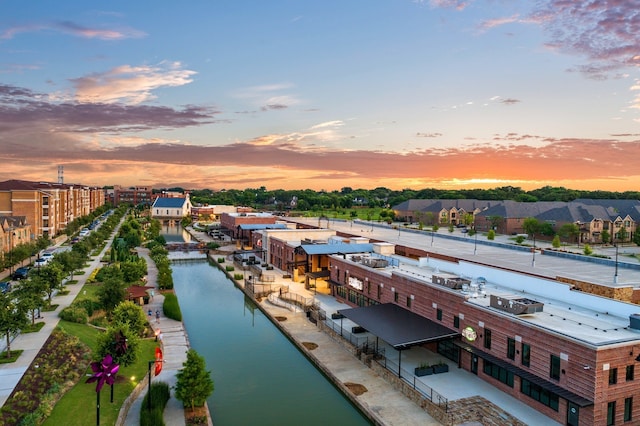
(475, 243)
(432, 236)
(533, 260)
(615, 275)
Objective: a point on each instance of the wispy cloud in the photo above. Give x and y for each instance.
(73, 29)
(605, 32)
(130, 84)
(269, 96)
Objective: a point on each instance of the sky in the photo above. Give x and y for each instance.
(303, 94)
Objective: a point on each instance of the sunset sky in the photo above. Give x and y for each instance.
(322, 94)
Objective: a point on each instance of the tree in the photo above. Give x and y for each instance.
(111, 293)
(531, 226)
(31, 295)
(112, 341)
(491, 235)
(636, 238)
(556, 241)
(622, 234)
(194, 383)
(569, 231)
(605, 236)
(13, 317)
(52, 276)
(131, 314)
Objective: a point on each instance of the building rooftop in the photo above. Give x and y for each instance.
(584, 317)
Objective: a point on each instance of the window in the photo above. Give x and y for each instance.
(611, 413)
(630, 373)
(541, 395)
(395, 296)
(408, 301)
(613, 376)
(379, 292)
(487, 338)
(497, 373)
(456, 321)
(439, 314)
(511, 348)
(526, 354)
(628, 408)
(554, 370)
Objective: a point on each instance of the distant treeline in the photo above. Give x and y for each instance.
(307, 199)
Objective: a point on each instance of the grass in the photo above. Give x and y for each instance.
(50, 308)
(15, 354)
(33, 328)
(67, 412)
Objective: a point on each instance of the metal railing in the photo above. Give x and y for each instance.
(415, 382)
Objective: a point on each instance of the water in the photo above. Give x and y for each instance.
(260, 378)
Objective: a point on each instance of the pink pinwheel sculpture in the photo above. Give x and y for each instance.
(103, 372)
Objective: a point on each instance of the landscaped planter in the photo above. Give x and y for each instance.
(440, 368)
(423, 371)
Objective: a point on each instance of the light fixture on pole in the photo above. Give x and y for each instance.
(615, 275)
(475, 243)
(533, 260)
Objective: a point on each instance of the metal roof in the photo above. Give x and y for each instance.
(336, 248)
(169, 202)
(259, 226)
(397, 326)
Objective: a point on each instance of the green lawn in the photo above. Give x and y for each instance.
(78, 406)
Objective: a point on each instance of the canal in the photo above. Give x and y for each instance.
(260, 377)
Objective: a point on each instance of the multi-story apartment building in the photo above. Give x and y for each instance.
(133, 195)
(47, 207)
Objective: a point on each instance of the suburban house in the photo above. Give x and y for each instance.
(615, 220)
(14, 230)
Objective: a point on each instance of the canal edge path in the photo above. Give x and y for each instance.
(382, 403)
(175, 344)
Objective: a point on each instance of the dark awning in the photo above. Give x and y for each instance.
(319, 274)
(544, 384)
(397, 326)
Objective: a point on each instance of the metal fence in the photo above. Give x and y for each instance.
(415, 382)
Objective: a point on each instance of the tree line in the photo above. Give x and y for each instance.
(347, 197)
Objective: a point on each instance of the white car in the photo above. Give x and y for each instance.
(40, 262)
(84, 232)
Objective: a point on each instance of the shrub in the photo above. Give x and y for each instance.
(587, 250)
(74, 313)
(89, 305)
(171, 308)
(491, 235)
(159, 397)
(221, 260)
(229, 268)
(238, 277)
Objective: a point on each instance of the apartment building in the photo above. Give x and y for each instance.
(47, 207)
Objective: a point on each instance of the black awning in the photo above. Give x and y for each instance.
(319, 274)
(545, 384)
(397, 326)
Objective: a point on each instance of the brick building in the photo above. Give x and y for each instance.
(562, 352)
(48, 207)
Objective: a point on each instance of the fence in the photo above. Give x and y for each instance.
(417, 384)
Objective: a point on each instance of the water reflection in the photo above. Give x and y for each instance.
(175, 234)
(260, 377)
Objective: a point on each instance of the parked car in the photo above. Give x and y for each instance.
(5, 286)
(47, 255)
(21, 273)
(84, 233)
(75, 240)
(40, 262)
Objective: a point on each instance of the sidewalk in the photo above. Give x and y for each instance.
(174, 348)
(31, 343)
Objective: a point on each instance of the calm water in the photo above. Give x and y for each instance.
(260, 378)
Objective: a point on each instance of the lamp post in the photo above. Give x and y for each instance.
(533, 260)
(475, 242)
(431, 236)
(615, 275)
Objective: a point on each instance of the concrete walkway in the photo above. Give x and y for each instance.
(174, 345)
(31, 343)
